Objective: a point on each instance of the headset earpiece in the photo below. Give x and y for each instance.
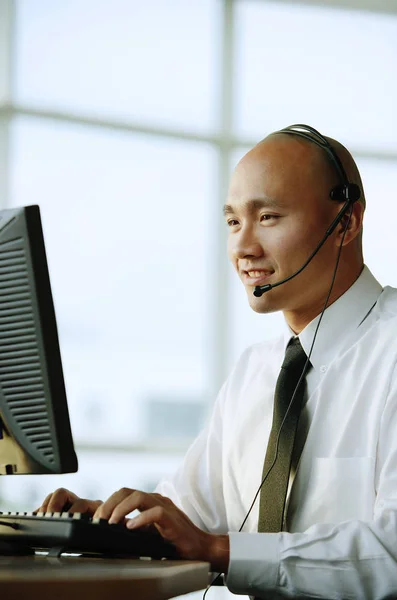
(344, 192)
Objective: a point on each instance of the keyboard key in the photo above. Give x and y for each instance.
(98, 521)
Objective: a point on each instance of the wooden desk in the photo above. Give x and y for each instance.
(82, 578)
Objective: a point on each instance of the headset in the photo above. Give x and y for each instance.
(345, 192)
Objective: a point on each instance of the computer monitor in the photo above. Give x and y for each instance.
(35, 433)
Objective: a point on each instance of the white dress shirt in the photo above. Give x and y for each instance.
(341, 537)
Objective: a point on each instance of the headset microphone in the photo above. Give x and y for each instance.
(344, 192)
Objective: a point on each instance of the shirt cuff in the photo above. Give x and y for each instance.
(254, 562)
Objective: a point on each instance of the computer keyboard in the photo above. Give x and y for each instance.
(77, 533)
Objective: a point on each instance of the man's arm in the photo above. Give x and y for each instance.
(187, 510)
(197, 486)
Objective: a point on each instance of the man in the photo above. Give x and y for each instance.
(339, 535)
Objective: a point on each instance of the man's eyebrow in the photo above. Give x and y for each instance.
(252, 205)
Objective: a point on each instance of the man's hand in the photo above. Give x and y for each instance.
(65, 501)
(174, 526)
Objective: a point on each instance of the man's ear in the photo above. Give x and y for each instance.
(352, 224)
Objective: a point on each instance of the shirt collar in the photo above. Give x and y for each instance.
(339, 320)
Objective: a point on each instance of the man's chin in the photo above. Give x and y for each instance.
(263, 310)
(261, 305)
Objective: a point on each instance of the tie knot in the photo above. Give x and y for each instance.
(295, 356)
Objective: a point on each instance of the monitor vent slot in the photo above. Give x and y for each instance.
(22, 386)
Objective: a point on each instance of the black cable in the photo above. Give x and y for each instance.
(305, 367)
(12, 525)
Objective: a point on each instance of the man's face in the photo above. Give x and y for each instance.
(277, 211)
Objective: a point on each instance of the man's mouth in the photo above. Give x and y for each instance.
(256, 273)
(256, 276)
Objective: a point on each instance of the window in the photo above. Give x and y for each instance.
(379, 238)
(329, 67)
(153, 62)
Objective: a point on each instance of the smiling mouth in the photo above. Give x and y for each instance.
(256, 276)
(257, 273)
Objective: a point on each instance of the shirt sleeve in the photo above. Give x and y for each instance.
(352, 559)
(197, 486)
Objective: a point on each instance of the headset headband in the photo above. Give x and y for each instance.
(343, 192)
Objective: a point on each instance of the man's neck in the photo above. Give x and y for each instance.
(298, 319)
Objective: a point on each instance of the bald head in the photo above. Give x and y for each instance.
(318, 164)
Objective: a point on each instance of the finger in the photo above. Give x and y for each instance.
(157, 515)
(81, 505)
(137, 500)
(145, 528)
(61, 500)
(44, 504)
(106, 509)
(56, 501)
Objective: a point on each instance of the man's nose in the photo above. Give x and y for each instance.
(245, 243)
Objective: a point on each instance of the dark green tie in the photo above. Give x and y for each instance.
(274, 489)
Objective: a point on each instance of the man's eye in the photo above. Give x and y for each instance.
(232, 222)
(267, 217)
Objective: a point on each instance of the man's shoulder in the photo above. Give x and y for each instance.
(386, 307)
(378, 332)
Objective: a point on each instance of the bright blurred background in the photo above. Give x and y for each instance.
(123, 121)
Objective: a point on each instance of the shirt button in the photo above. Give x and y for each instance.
(323, 368)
